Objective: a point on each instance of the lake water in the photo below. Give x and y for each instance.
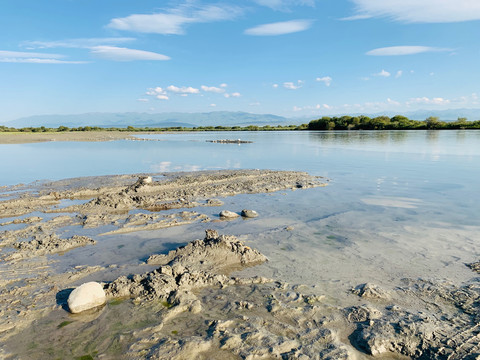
(399, 203)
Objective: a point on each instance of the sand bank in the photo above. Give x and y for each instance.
(26, 137)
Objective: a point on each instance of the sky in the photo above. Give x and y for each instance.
(294, 58)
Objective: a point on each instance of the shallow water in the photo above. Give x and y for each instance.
(398, 205)
(408, 192)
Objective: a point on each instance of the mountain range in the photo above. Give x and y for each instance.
(215, 118)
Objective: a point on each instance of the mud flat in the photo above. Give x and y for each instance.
(24, 137)
(208, 298)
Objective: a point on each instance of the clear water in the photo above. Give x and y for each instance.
(399, 204)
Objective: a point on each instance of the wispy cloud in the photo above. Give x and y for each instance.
(34, 58)
(382, 73)
(214, 89)
(415, 11)
(428, 101)
(327, 80)
(292, 86)
(284, 5)
(165, 93)
(175, 20)
(280, 28)
(124, 54)
(183, 89)
(404, 50)
(399, 74)
(235, 95)
(75, 43)
(311, 108)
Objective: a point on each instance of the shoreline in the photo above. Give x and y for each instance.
(28, 137)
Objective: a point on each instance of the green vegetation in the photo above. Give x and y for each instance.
(397, 122)
(84, 357)
(64, 323)
(153, 129)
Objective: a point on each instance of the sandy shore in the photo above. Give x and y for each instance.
(172, 298)
(23, 137)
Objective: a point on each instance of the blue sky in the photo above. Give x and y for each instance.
(287, 57)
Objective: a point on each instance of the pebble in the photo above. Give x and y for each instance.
(228, 214)
(249, 213)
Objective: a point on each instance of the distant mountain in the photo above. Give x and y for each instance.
(445, 115)
(216, 118)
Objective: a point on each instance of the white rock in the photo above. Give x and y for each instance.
(228, 214)
(249, 213)
(145, 180)
(86, 296)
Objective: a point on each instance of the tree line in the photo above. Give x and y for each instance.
(397, 122)
(155, 129)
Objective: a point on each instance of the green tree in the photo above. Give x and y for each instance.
(433, 122)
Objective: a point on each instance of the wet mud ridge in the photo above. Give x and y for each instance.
(167, 191)
(197, 301)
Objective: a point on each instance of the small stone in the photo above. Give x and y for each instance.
(249, 213)
(289, 228)
(146, 180)
(86, 296)
(228, 214)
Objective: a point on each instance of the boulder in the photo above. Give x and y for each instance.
(86, 296)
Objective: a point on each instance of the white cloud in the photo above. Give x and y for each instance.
(183, 89)
(356, 17)
(428, 101)
(223, 85)
(392, 102)
(327, 80)
(420, 11)
(382, 73)
(275, 86)
(292, 86)
(23, 54)
(213, 105)
(280, 28)
(34, 58)
(218, 90)
(284, 5)
(76, 43)
(174, 20)
(125, 54)
(143, 100)
(235, 94)
(39, 61)
(399, 74)
(403, 50)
